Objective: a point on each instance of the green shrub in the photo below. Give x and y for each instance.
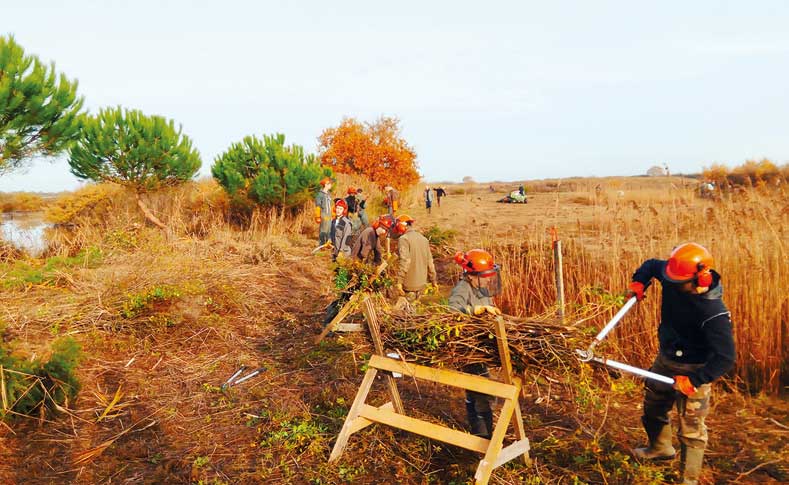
(139, 303)
(27, 385)
(48, 272)
(268, 173)
(440, 237)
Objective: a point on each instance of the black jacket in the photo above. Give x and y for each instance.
(694, 328)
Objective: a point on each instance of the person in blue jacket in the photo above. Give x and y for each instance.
(696, 348)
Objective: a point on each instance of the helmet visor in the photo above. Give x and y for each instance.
(488, 282)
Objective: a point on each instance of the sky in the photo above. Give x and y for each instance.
(492, 90)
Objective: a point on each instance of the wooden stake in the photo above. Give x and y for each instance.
(2, 390)
(557, 268)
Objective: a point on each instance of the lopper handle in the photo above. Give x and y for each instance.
(635, 370)
(615, 321)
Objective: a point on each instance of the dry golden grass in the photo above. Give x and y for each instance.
(21, 202)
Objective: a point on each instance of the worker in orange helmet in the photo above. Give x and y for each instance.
(353, 206)
(415, 260)
(696, 347)
(368, 246)
(323, 210)
(392, 200)
(341, 230)
(473, 294)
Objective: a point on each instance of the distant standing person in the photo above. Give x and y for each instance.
(353, 207)
(440, 193)
(361, 207)
(392, 200)
(323, 211)
(522, 190)
(428, 198)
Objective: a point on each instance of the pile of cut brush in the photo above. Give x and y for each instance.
(351, 275)
(439, 337)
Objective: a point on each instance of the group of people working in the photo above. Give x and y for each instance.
(695, 332)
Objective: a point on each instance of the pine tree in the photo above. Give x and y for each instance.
(39, 110)
(126, 147)
(268, 173)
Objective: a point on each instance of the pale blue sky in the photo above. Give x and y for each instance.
(495, 90)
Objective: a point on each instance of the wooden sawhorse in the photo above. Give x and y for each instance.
(362, 415)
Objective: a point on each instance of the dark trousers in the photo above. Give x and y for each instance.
(480, 402)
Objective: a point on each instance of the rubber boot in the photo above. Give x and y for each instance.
(659, 448)
(487, 418)
(691, 460)
(481, 424)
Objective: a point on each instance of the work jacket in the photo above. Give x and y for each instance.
(341, 230)
(352, 203)
(465, 297)
(694, 328)
(366, 245)
(415, 263)
(324, 201)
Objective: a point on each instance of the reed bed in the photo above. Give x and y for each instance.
(746, 234)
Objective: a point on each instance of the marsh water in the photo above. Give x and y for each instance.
(25, 230)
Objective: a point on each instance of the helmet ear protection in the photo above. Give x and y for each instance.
(703, 277)
(460, 258)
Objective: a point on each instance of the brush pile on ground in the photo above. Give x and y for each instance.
(441, 337)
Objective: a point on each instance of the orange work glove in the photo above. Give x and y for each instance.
(317, 215)
(683, 385)
(636, 289)
(480, 309)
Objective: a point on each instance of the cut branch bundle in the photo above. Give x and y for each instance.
(443, 338)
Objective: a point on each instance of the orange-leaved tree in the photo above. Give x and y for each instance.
(375, 150)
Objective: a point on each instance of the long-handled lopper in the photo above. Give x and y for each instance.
(234, 379)
(588, 355)
(326, 245)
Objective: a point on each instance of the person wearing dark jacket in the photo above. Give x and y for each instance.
(473, 295)
(696, 347)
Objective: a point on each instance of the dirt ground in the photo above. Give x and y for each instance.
(260, 305)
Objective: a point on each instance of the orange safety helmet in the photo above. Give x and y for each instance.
(352, 190)
(689, 262)
(384, 221)
(477, 262)
(402, 223)
(324, 181)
